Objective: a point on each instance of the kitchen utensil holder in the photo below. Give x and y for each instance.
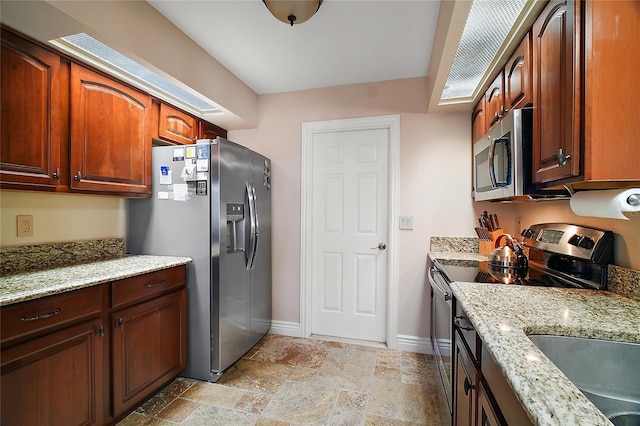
(487, 246)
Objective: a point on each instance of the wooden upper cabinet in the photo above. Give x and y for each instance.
(478, 121)
(110, 136)
(612, 90)
(34, 107)
(176, 126)
(207, 130)
(494, 96)
(517, 76)
(556, 94)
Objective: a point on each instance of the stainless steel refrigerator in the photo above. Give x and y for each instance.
(212, 202)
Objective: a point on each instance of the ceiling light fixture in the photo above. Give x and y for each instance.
(293, 11)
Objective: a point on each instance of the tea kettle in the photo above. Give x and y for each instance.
(507, 263)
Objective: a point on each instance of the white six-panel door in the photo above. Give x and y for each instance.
(349, 233)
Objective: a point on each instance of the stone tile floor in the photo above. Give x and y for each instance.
(293, 381)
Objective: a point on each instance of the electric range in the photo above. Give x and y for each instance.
(560, 255)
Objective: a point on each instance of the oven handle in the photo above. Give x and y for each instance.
(437, 284)
(492, 167)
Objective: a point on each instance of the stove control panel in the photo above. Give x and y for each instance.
(594, 245)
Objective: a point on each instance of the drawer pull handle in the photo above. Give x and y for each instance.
(150, 285)
(457, 322)
(42, 316)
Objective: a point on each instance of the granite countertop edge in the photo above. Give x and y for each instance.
(505, 315)
(33, 285)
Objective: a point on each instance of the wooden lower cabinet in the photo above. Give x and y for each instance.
(149, 348)
(465, 386)
(55, 379)
(84, 358)
(487, 415)
(481, 394)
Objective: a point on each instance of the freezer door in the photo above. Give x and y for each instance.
(232, 332)
(260, 283)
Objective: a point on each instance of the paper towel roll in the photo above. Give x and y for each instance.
(608, 203)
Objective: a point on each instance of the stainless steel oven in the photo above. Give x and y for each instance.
(441, 327)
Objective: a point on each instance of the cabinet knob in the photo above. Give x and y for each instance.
(77, 177)
(56, 174)
(562, 159)
(119, 323)
(100, 331)
(468, 386)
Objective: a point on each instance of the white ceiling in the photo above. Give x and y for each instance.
(346, 42)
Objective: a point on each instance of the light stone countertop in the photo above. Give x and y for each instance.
(33, 285)
(451, 255)
(505, 315)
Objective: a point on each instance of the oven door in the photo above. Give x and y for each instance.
(441, 327)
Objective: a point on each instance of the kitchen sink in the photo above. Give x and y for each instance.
(606, 372)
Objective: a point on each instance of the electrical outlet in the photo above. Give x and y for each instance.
(25, 225)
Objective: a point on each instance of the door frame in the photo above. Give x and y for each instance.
(309, 129)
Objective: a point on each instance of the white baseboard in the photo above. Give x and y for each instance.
(286, 328)
(421, 345)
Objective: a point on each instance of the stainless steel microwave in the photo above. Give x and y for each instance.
(498, 159)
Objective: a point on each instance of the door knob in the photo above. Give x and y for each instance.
(381, 246)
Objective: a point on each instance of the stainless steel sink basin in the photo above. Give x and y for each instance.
(607, 372)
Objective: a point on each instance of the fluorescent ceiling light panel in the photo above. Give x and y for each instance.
(487, 26)
(102, 56)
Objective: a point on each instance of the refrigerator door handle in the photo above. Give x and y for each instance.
(253, 227)
(256, 222)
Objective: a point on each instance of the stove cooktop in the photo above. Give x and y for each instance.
(470, 271)
(537, 275)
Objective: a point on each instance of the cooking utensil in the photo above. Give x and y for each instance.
(495, 221)
(482, 234)
(507, 263)
(484, 220)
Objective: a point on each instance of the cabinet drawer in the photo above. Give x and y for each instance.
(24, 318)
(145, 286)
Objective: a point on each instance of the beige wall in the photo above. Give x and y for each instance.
(60, 217)
(429, 180)
(627, 238)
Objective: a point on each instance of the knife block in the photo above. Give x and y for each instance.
(487, 246)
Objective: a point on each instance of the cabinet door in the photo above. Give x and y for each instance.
(611, 90)
(478, 121)
(488, 414)
(56, 379)
(176, 126)
(210, 131)
(149, 348)
(556, 95)
(110, 135)
(517, 76)
(465, 387)
(495, 101)
(33, 114)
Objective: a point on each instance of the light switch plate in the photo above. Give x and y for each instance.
(406, 222)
